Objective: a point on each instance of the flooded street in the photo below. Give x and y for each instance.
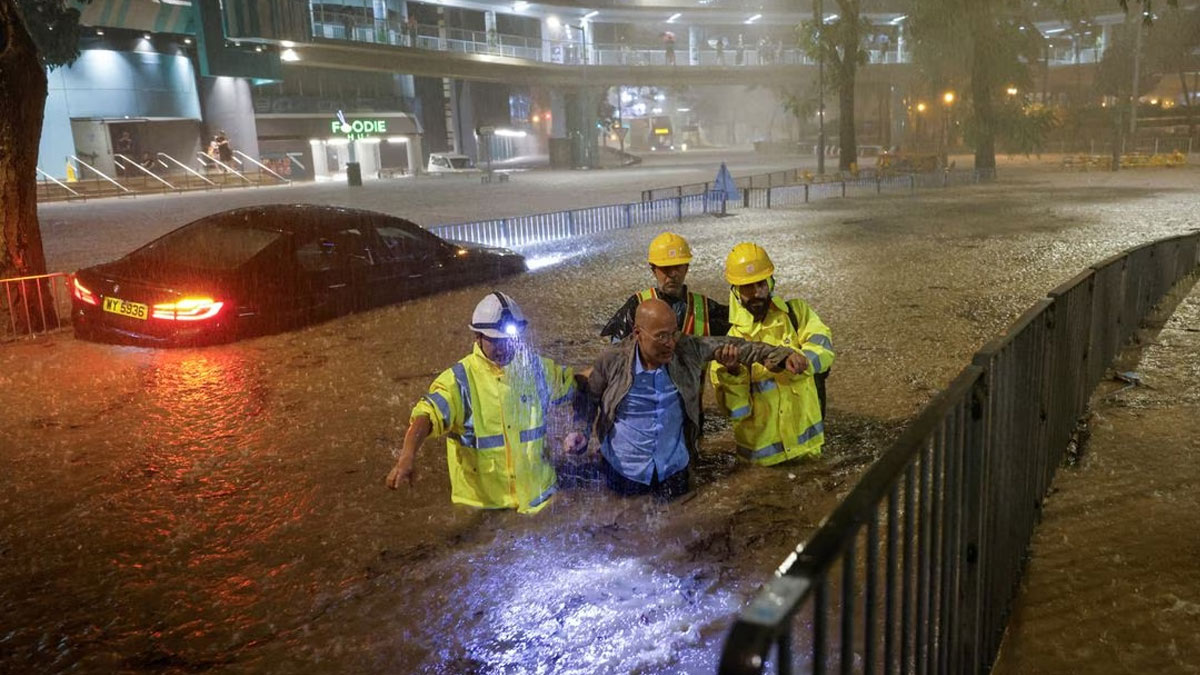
(223, 509)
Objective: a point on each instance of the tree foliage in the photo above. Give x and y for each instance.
(838, 44)
(54, 27)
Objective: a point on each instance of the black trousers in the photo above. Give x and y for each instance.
(675, 485)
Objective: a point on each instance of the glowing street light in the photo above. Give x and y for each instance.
(921, 107)
(1012, 91)
(948, 98)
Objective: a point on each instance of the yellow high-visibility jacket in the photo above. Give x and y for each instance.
(495, 426)
(777, 416)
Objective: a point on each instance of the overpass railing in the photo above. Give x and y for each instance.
(347, 24)
(917, 568)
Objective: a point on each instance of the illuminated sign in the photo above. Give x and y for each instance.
(356, 129)
(662, 132)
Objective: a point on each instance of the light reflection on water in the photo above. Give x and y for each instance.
(566, 605)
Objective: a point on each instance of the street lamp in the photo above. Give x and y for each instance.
(948, 100)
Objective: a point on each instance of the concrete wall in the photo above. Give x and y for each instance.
(113, 85)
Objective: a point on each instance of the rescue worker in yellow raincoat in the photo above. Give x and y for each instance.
(492, 408)
(669, 257)
(777, 416)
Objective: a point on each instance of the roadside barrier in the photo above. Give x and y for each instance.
(917, 568)
(538, 228)
(34, 305)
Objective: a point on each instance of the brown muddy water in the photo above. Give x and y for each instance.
(223, 509)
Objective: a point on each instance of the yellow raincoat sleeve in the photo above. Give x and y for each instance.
(442, 404)
(816, 339)
(560, 381)
(733, 391)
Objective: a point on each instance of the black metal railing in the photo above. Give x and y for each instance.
(917, 568)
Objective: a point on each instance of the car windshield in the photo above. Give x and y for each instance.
(208, 245)
(460, 163)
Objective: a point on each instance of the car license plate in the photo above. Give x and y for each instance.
(135, 310)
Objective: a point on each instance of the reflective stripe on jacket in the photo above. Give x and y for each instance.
(695, 322)
(777, 416)
(495, 427)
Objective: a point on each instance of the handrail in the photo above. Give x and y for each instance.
(146, 171)
(261, 166)
(957, 496)
(203, 157)
(58, 183)
(187, 168)
(100, 173)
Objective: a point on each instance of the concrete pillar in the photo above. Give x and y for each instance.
(367, 151)
(693, 46)
(320, 167)
(589, 42)
(416, 157)
(226, 105)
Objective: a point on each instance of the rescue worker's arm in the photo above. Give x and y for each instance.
(817, 340)
(621, 323)
(718, 317)
(733, 352)
(439, 411)
(564, 390)
(418, 431)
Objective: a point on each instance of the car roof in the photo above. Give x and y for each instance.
(299, 219)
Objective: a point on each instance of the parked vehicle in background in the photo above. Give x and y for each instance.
(264, 269)
(449, 162)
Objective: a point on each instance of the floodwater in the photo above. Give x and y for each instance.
(223, 509)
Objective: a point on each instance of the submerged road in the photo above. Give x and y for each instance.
(223, 509)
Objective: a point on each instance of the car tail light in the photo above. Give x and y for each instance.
(188, 309)
(82, 293)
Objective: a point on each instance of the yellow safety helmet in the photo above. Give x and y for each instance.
(669, 249)
(748, 263)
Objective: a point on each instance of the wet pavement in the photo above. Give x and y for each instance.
(223, 509)
(1113, 584)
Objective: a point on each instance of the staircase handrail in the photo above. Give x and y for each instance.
(262, 166)
(146, 171)
(100, 173)
(58, 182)
(187, 168)
(203, 158)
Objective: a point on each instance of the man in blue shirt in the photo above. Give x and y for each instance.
(647, 389)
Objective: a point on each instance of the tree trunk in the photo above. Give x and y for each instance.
(983, 86)
(22, 103)
(847, 67)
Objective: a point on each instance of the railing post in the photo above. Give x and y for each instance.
(878, 185)
(769, 191)
(504, 232)
(570, 223)
(843, 188)
(679, 206)
(746, 194)
(806, 193)
(912, 183)
(628, 216)
(965, 656)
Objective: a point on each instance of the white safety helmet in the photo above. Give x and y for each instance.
(498, 316)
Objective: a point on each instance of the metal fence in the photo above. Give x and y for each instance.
(687, 201)
(917, 568)
(34, 305)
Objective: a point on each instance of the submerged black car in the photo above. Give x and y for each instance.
(263, 269)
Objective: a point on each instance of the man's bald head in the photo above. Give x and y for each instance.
(657, 331)
(654, 315)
